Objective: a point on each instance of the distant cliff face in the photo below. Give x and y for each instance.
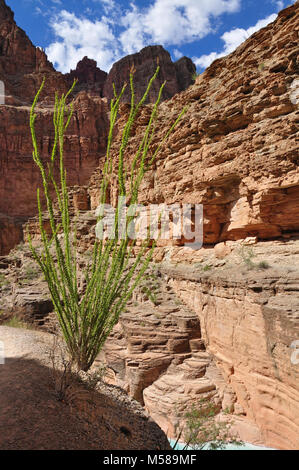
(22, 65)
(178, 75)
(19, 178)
(22, 68)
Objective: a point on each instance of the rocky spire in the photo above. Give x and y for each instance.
(178, 76)
(90, 77)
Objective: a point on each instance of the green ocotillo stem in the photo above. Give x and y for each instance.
(87, 316)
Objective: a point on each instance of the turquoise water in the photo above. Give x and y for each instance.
(246, 446)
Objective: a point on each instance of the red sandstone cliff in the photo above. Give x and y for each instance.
(85, 141)
(178, 75)
(22, 65)
(236, 149)
(19, 178)
(22, 68)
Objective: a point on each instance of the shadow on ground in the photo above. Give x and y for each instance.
(32, 418)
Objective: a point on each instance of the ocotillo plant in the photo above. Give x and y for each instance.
(87, 318)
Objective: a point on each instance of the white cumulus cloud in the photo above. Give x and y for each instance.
(79, 37)
(232, 39)
(166, 22)
(279, 4)
(172, 22)
(177, 54)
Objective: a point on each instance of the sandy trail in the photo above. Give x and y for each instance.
(32, 418)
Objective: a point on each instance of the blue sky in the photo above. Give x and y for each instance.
(107, 30)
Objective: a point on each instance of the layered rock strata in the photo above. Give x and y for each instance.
(236, 149)
(19, 177)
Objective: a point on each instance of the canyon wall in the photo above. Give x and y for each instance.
(178, 75)
(19, 177)
(249, 320)
(236, 152)
(236, 149)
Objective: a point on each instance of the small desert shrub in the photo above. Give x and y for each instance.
(261, 67)
(203, 430)
(15, 322)
(95, 377)
(75, 389)
(20, 247)
(247, 255)
(31, 272)
(207, 267)
(61, 370)
(3, 281)
(263, 265)
(150, 287)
